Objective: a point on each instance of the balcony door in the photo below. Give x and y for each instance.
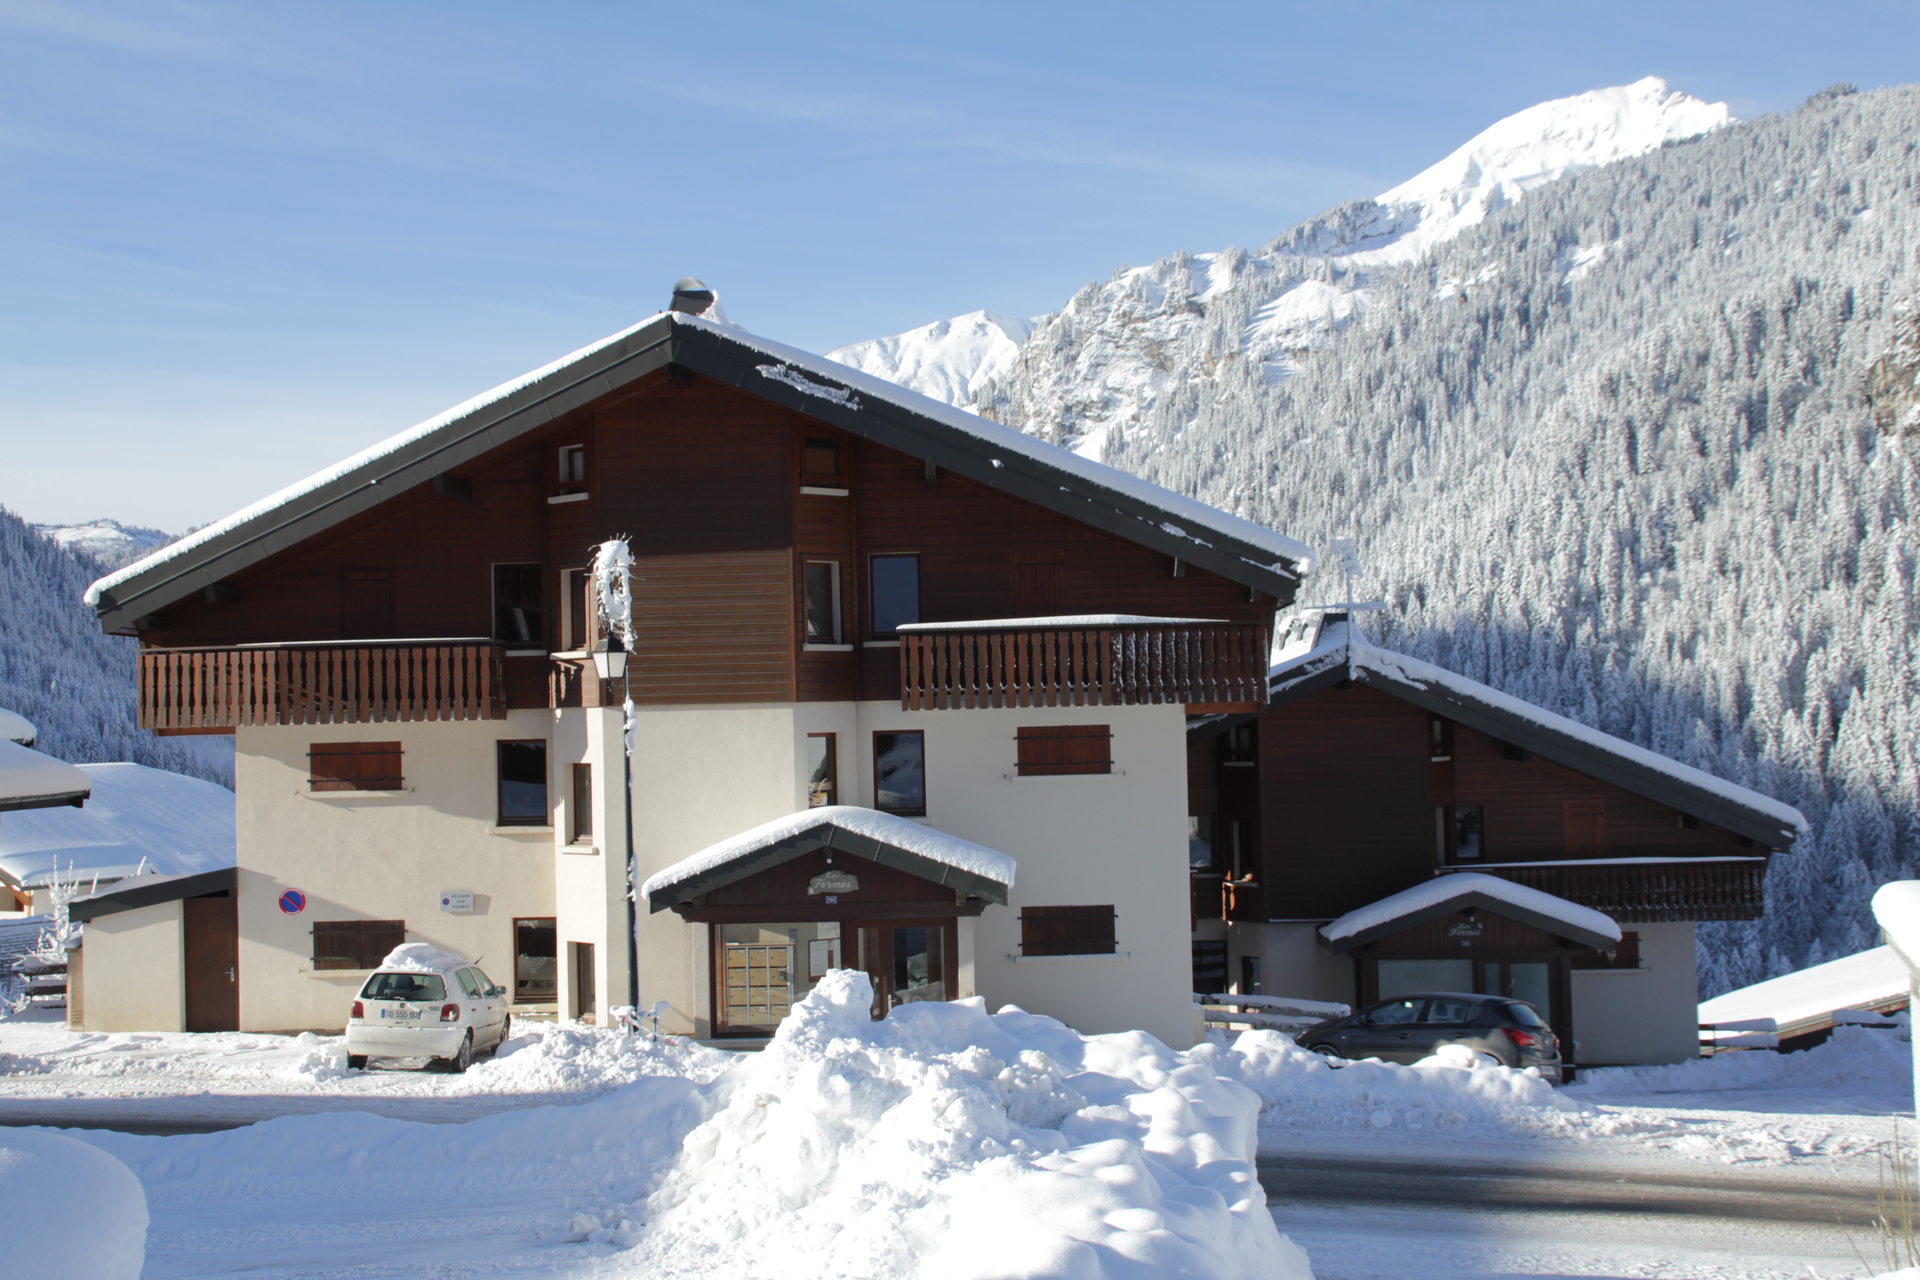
(908, 960)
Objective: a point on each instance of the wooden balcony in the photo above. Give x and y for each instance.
(351, 682)
(1205, 666)
(1650, 892)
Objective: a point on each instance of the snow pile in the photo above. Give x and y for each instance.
(1871, 1066)
(945, 1142)
(1445, 1091)
(421, 957)
(76, 1213)
(550, 1058)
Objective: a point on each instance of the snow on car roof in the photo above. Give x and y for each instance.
(421, 957)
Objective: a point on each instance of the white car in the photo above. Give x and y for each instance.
(426, 1003)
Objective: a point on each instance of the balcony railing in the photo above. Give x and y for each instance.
(1732, 888)
(1207, 666)
(351, 682)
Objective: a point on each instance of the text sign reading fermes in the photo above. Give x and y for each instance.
(834, 882)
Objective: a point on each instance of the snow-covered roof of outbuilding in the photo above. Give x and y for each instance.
(1338, 653)
(1875, 979)
(1444, 895)
(32, 780)
(892, 841)
(174, 823)
(15, 727)
(866, 406)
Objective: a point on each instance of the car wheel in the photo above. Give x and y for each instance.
(1485, 1059)
(1328, 1052)
(506, 1029)
(356, 1062)
(460, 1061)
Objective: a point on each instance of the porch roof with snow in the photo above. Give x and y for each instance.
(147, 891)
(1444, 895)
(891, 841)
(1338, 654)
(32, 780)
(859, 403)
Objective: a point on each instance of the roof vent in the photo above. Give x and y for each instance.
(691, 296)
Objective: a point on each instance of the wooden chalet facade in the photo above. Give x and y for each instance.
(1370, 773)
(843, 594)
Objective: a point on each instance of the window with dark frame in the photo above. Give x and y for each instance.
(823, 769)
(1200, 853)
(580, 804)
(900, 772)
(572, 472)
(820, 462)
(1469, 834)
(574, 589)
(522, 784)
(1067, 931)
(354, 766)
(893, 591)
(519, 617)
(1240, 742)
(355, 944)
(822, 587)
(536, 960)
(1062, 749)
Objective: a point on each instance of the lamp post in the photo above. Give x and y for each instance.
(610, 662)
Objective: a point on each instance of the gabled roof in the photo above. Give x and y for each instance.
(146, 891)
(1444, 895)
(824, 389)
(891, 841)
(32, 780)
(1338, 653)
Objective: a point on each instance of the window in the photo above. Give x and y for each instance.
(1240, 851)
(354, 766)
(518, 617)
(1249, 976)
(523, 784)
(536, 960)
(1452, 1013)
(1066, 931)
(574, 590)
(1053, 750)
(1439, 738)
(1586, 828)
(895, 583)
(580, 805)
(572, 474)
(823, 768)
(1200, 841)
(820, 462)
(1240, 743)
(900, 772)
(823, 602)
(355, 944)
(1469, 832)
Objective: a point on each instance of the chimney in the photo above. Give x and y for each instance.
(691, 296)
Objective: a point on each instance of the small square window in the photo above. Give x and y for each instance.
(900, 773)
(895, 592)
(823, 602)
(523, 784)
(572, 468)
(820, 461)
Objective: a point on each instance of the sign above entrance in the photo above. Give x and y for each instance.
(293, 902)
(1466, 929)
(833, 881)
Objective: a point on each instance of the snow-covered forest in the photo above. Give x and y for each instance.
(1639, 448)
(58, 670)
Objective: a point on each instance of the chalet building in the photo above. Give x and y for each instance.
(1386, 827)
(910, 694)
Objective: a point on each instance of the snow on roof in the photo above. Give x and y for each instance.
(1063, 620)
(1866, 980)
(934, 845)
(1286, 555)
(15, 727)
(178, 825)
(1897, 907)
(1340, 641)
(28, 776)
(1443, 889)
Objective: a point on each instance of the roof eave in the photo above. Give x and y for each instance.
(1480, 901)
(9, 804)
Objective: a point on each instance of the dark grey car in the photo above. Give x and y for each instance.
(1409, 1028)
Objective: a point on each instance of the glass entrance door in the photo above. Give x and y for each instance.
(907, 960)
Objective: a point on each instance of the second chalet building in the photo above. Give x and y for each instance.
(912, 693)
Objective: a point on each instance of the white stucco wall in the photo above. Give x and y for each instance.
(589, 876)
(379, 856)
(1293, 962)
(134, 974)
(1648, 1015)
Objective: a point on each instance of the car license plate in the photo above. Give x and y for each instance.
(400, 1015)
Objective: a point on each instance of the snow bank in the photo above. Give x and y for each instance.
(1861, 1063)
(75, 1212)
(563, 1058)
(1441, 1092)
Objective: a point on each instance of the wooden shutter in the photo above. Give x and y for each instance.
(1046, 750)
(355, 944)
(354, 766)
(1586, 828)
(1066, 931)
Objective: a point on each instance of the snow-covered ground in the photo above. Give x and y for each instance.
(943, 1142)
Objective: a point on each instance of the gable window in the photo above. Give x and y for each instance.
(1469, 834)
(900, 772)
(572, 470)
(580, 804)
(518, 616)
(1585, 825)
(1059, 749)
(894, 582)
(354, 766)
(823, 768)
(366, 604)
(355, 944)
(820, 463)
(1066, 931)
(522, 770)
(823, 602)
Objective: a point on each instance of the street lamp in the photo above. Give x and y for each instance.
(610, 661)
(610, 658)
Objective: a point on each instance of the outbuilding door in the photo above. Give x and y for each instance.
(212, 959)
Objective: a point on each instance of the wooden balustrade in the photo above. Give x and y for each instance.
(1650, 892)
(1206, 666)
(352, 682)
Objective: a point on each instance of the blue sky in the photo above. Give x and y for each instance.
(244, 240)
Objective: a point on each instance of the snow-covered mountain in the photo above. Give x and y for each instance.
(111, 543)
(1129, 338)
(949, 360)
